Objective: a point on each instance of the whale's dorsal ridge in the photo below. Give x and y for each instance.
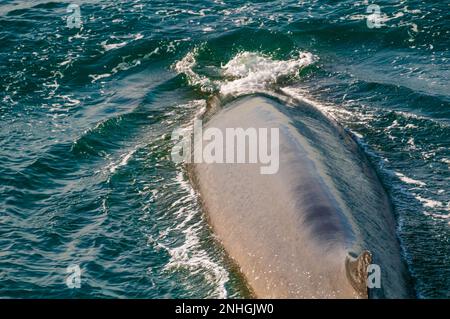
(356, 270)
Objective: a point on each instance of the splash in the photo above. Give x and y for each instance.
(246, 72)
(186, 66)
(252, 72)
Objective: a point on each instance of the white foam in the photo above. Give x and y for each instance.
(190, 253)
(247, 72)
(113, 46)
(96, 77)
(252, 72)
(439, 216)
(124, 161)
(186, 65)
(430, 203)
(408, 180)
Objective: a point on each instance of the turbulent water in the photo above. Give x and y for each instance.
(87, 111)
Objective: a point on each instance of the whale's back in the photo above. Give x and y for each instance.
(291, 232)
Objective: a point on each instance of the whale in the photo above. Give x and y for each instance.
(321, 226)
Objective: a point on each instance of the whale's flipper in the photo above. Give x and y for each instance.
(356, 269)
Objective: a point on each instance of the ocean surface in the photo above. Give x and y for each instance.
(88, 103)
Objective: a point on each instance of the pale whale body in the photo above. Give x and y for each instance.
(296, 233)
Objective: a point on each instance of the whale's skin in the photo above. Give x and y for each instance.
(291, 232)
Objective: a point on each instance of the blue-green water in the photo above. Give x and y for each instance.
(86, 116)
